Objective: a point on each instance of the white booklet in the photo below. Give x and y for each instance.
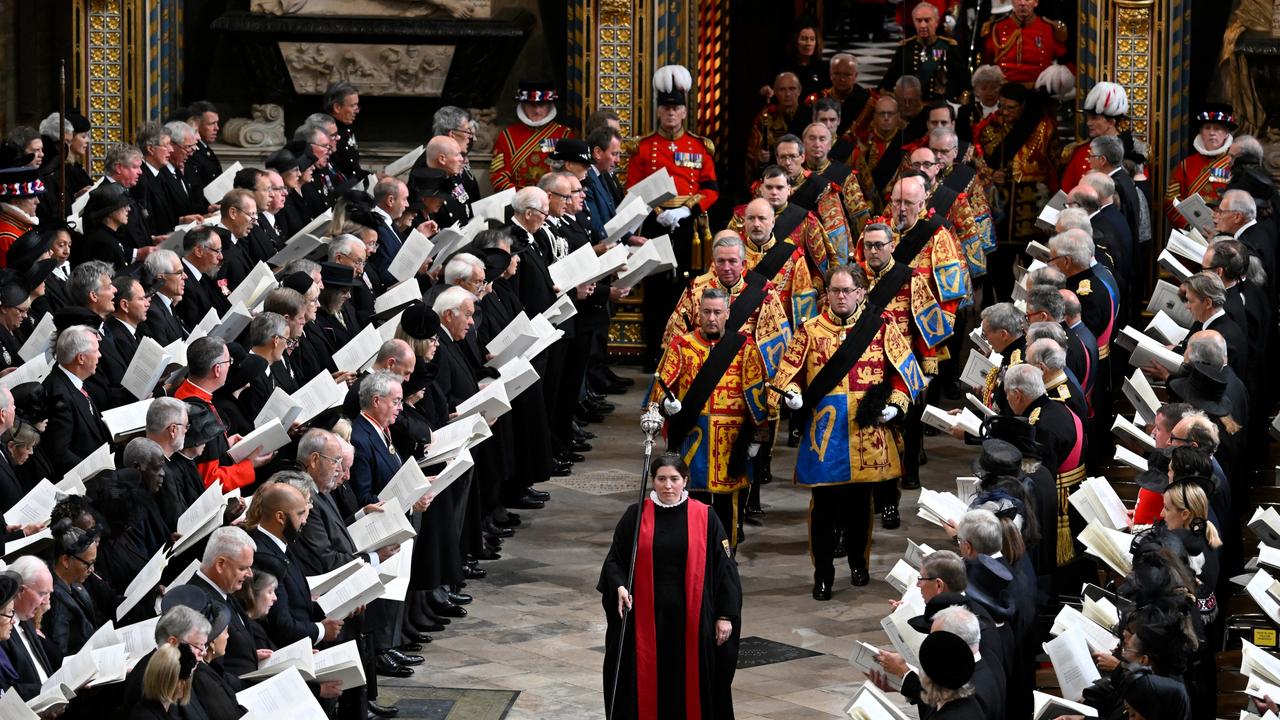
(406, 486)
(36, 506)
(284, 696)
(264, 439)
(412, 254)
(456, 468)
(324, 582)
(359, 350)
(490, 403)
(626, 220)
(360, 588)
(1048, 707)
(977, 366)
(38, 343)
(864, 657)
(1072, 663)
(279, 406)
(34, 370)
(574, 269)
(380, 529)
(221, 185)
(654, 190)
(127, 419)
(403, 164)
(1164, 296)
(148, 364)
(493, 207)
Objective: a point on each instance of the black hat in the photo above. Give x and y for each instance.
(1014, 430)
(1205, 387)
(12, 294)
(1153, 696)
(106, 199)
(79, 123)
(496, 262)
(37, 273)
(989, 580)
(241, 373)
(215, 611)
(536, 91)
(299, 281)
(202, 424)
(946, 659)
(337, 275)
(29, 399)
(29, 246)
(10, 584)
(294, 156)
(360, 208)
(941, 601)
(998, 457)
(1220, 113)
(425, 182)
(571, 150)
(1156, 477)
(420, 322)
(1016, 92)
(70, 315)
(17, 178)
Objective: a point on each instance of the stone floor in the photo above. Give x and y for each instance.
(536, 628)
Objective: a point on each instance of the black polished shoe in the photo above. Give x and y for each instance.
(474, 572)
(512, 520)
(889, 518)
(503, 532)
(821, 590)
(449, 610)
(413, 638)
(754, 520)
(460, 598)
(558, 470)
(600, 405)
(580, 446)
(492, 541)
(858, 576)
(910, 483)
(406, 660)
(485, 554)
(387, 666)
(528, 503)
(412, 647)
(385, 711)
(539, 495)
(581, 434)
(568, 456)
(587, 415)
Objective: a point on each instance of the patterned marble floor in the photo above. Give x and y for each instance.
(537, 628)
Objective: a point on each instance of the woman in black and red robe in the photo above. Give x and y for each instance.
(680, 638)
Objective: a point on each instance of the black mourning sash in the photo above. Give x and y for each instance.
(959, 177)
(868, 324)
(807, 196)
(789, 219)
(887, 166)
(942, 199)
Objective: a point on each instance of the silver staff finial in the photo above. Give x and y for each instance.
(651, 421)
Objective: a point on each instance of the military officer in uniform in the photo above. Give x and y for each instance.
(1106, 108)
(1023, 44)
(1207, 170)
(690, 161)
(520, 152)
(782, 116)
(936, 60)
(715, 399)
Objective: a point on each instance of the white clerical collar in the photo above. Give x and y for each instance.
(653, 495)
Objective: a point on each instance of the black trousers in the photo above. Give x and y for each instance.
(913, 439)
(839, 506)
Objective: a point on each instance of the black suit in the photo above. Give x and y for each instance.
(75, 428)
(1261, 240)
(1129, 200)
(162, 325)
(151, 194)
(118, 346)
(198, 297)
(69, 621)
(236, 262)
(9, 347)
(1109, 224)
(241, 654)
(294, 616)
(28, 683)
(201, 169)
(100, 243)
(532, 280)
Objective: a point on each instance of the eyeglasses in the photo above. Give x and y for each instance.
(921, 164)
(562, 196)
(841, 290)
(460, 131)
(87, 564)
(222, 362)
(334, 460)
(924, 579)
(8, 616)
(875, 245)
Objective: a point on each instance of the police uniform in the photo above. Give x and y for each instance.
(1023, 51)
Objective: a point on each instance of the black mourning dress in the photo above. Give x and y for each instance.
(721, 597)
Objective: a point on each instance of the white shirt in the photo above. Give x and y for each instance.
(35, 659)
(285, 549)
(77, 382)
(194, 270)
(1217, 314)
(200, 574)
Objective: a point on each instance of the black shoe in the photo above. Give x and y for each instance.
(459, 598)
(485, 554)
(910, 483)
(425, 625)
(930, 431)
(387, 666)
(539, 495)
(413, 638)
(568, 456)
(586, 415)
(492, 541)
(859, 576)
(889, 518)
(503, 532)
(527, 503)
(766, 476)
(615, 378)
(753, 520)
(512, 520)
(412, 647)
(793, 440)
(406, 660)
(449, 610)
(382, 710)
(821, 590)
(558, 470)
(474, 572)
(580, 446)
(581, 434)
(602, 406)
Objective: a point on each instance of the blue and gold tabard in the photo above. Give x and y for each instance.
(737, 405)
(768, 325)
(834, 449)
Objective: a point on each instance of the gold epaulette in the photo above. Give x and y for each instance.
(946, 39)
(1059, 29)
(987, 27)
(631, 144)
(711, 146)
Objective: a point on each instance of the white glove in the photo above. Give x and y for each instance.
(950, 23)
(671, 405)
(671, 218)
(753, 449)
(888, 413)
(794, 400)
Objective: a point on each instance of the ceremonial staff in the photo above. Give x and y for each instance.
(63, 145)
(650, 424)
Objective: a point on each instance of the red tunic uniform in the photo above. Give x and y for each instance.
(12, 226)
(688, 158)
(520, 154)
(1075, 164)
(1197, 174)
(1023, 52)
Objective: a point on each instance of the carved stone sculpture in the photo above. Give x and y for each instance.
(264, 129)
(486, 129)
(378, 70)
(459, 9)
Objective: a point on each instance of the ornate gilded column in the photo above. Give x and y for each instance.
(1143, 45)
(125, 67)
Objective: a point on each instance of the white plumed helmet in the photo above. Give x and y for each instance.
(1107, 98)
(672, 79)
